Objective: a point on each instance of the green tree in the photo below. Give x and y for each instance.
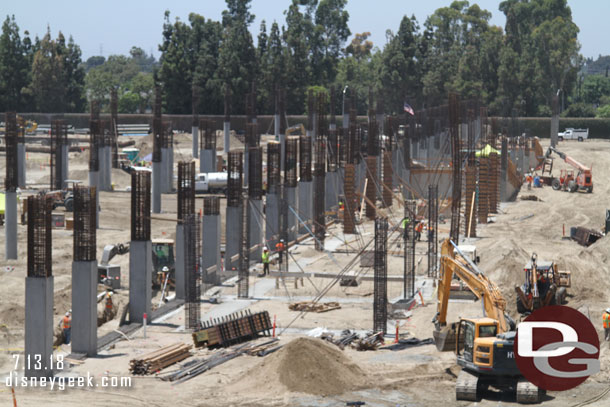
(237, 56)
(603, 112)
(48, 79)
(74, 74)
(14, 66)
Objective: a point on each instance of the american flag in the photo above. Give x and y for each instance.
(409, 109)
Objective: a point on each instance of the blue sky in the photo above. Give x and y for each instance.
(113, 27)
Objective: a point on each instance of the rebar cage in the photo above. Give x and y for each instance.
(186, 190)
(235, 178)
(380, 290)
(84, 223)
(140, 205)
(40, 261)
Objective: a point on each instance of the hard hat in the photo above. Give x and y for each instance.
(109, 294)
(265, 249)
(165, 269)
(67, 314)
(608, 310)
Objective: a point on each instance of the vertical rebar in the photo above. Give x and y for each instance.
(380, 291)
(39, 236)
(84, 223)
(140, 205)
(432, 230)
(192, 248)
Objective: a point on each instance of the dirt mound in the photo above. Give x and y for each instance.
(306, 365)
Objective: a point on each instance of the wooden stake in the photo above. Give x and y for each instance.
(471, 212)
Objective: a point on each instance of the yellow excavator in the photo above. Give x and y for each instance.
(484, 346)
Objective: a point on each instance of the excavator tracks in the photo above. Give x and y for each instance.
(528, 393)
(466, 386)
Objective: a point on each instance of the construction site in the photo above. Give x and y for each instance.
(392, 244)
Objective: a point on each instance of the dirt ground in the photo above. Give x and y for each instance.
(419, 376)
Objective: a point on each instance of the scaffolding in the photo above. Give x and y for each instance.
(380, 291)
(186, 190)
(192, 266)
(85, 226)
(140, 205)
(39, 236)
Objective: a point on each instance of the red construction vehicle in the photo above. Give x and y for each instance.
(568, 181)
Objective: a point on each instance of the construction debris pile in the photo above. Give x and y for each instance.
(310, 306)
(157, 360)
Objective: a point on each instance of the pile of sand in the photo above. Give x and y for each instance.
(305, 365)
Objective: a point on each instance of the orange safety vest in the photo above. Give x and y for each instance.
(66, 322)
(419, 227)
(279, 247)
(108, 303)
(606, 319)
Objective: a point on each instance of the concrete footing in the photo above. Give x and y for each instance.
(291, 201)
(305, 205)
(84, 307)
(207, 161)
(38, 326)
(156, 187)
(21, 165)
(272, 215)
(180, 273)
(211, 248)
(232, 236)
(256, 220)
(10, 226)
(94, 181)
(140, 279)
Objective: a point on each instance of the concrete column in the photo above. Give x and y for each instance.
(272, 215)
(10, 226)
(276, 126)
(108, 168)
(65, 148)
(94, 181)
(339, 181)
(170, 170)
(232, 236)
(291, 201)
(164, 171)
(256, 220)
(195, 133)
(101, 182)
(305, 205)
(524, 164)
(207, 161)
(180, 273)
(211, 248)
(156, 187)
(39, 325)
(21, 165)
(226, 126)
(346, 120)
(140, 279)
(84, 307)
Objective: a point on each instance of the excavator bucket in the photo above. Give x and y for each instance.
(445, 338)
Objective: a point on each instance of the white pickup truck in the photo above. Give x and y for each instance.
(212, 182)
(573, 134)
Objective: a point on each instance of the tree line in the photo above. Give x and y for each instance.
(517, 69)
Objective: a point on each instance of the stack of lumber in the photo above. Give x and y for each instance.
(154, 361)
(309, 306)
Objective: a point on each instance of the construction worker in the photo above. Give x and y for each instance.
(606, 319)
(109, 307)
(341, 205)
(279, 248)
(265, 258)
(405, 224)
(419, 227)
(67, 327)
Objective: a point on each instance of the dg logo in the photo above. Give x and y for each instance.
(557, 348)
